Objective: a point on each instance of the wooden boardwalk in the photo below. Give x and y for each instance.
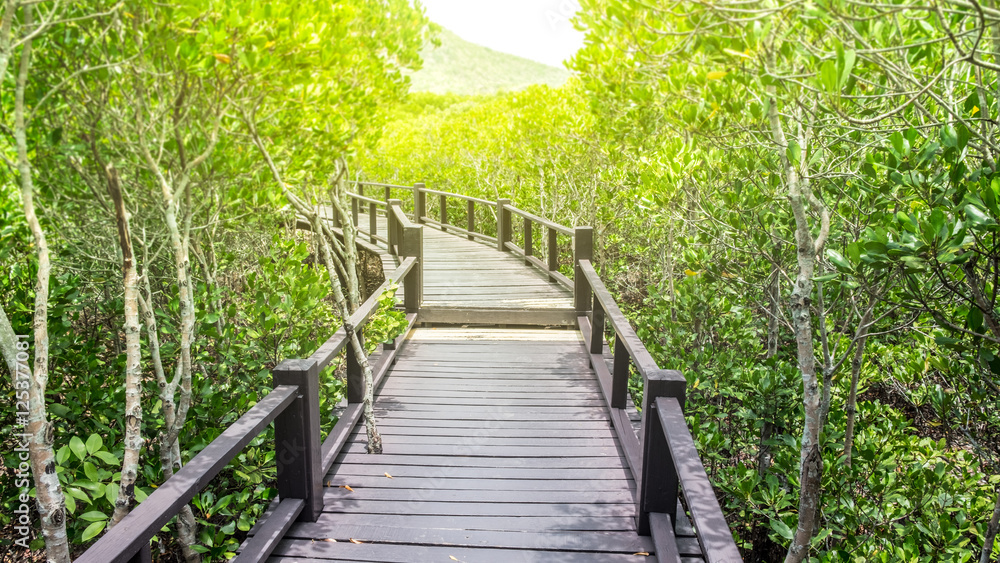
(500, 449)
(508, 430)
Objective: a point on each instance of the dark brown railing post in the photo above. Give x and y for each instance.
(335, 218)
(372, 220)
(443, 203)
(419, 203)
(388, 194)
(296, 438)
(145, 555)
(553, 253)
(355, 376)
(503, 224)
(597, 328)
(470, 210)
(583, 249)
(393, 227)
(657, 487)
(619, 376)
(529, 245)
(413, 285)
(354, 212)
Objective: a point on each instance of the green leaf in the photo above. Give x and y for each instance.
(112, 492)
(782, 529)
(94, 516)
(838, 259)
(78, 448)
(70, 503)
(107, 457)
(847, 66)
(974, 320)
(794, 152)
(976, 219)
(91, 471)
(94, 443)
(62, 455)
(92, 530)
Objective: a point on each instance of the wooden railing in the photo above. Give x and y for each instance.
(502, 213)
(666, 460)
(301, 460)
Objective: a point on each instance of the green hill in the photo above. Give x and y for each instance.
(460, 67)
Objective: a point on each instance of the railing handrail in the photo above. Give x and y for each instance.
(540, 220)
(716, 540)
(458, 196)
(379, 185)
(667, 460)
(132, 534)
(333, 346)
(366, 199)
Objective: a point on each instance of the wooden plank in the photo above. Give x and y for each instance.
(266, 538)
(499, 497)
(464, 461)
(528, 523)
(414, 483)
(474, 450)
(434, 313)
(344, 550)
(662, 532)
(514, 510)
(622, 542)
(579, 441)
(379, 470)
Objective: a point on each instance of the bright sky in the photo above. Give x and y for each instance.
(539, 30)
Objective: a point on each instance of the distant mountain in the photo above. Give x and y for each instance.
(460, 67)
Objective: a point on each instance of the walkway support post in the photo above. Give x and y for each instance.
(583, 249)
(297, 439)
(419, 203)
(413, 285)
(529, 244)
(503, 224)
(657, 487)
(470, 216)
(553, 253)
(395, 228)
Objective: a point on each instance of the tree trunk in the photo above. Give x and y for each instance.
(49, 494)
(133, 373)
(811, 461)
(374, 439)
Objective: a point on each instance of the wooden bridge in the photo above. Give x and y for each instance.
(508, 429)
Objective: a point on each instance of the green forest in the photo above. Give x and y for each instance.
(796, 202)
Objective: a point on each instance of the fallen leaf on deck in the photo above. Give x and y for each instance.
(453, 558)
(355, 541)
(348, 487)
(389, 476)
(331, 540)
(642, 553)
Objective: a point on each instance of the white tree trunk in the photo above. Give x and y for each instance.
(811, 460)
(133, 373)
(49, 494)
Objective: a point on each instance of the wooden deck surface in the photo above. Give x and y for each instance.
(499, 448)
(469, 282)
